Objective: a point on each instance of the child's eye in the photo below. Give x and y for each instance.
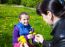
(27, 19)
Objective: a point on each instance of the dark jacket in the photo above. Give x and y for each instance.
(58, 34)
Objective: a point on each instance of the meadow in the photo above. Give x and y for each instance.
(9, 17)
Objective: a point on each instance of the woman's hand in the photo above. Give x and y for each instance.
(39, 38)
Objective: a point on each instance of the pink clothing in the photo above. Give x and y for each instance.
(16, 45)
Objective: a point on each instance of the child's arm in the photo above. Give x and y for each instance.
(29, 36)
(15, 35)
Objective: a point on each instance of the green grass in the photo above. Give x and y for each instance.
(9, 17)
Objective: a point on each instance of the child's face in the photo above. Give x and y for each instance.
(24, 19)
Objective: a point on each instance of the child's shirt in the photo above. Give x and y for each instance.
(19, 30)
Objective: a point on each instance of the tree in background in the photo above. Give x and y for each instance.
(28, 3)
(18, 2)
(3, 1)
(0, 1)
(10, 2)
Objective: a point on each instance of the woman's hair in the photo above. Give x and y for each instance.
(57, 7)
(22, 13)
(42, 7)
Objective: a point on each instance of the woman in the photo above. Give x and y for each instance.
(53, 12)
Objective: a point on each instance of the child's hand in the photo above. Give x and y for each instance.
(30, 36)
(24, 45)
(22, 39)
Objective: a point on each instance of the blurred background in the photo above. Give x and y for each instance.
(9, 12)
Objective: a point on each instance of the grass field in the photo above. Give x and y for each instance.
(9, 17)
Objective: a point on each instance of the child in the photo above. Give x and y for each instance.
(23, 28)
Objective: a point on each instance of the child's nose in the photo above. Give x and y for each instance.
(26, 20)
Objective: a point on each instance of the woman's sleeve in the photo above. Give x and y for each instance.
(15, 35)
(46, 44)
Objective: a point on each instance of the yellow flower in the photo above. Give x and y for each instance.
(22, 39)
(32, 33)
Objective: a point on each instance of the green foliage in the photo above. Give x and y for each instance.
(0, 1)
(3, 1)
(9, 17)
(30, 3)
(10, 2)
(18, 2)
(6, 1)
